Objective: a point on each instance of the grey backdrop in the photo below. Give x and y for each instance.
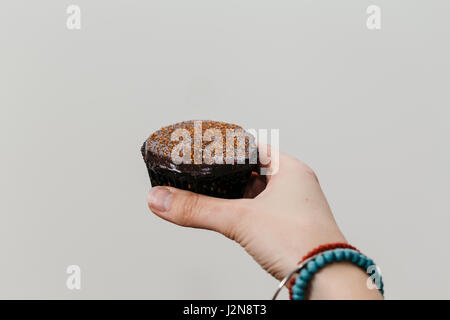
(368, 110)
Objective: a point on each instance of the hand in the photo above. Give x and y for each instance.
(277, 227)
(286, 217)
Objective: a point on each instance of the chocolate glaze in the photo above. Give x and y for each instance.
(157, 150)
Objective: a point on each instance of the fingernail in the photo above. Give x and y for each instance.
(160, 199)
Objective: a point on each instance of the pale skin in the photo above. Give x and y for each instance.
(288, 217)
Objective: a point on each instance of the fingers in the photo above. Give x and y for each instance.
(276, 165)
(268, 160)
(194, 210)
(285, 174)
(255, 185)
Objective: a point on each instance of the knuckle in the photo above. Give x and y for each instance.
(238, 213)
(306, 170)
(243, 209)
(189, 208)
(311, 173)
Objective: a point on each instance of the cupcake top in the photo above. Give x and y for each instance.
(201, 144)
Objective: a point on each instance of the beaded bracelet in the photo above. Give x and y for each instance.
(310, 266)
(325, 254)
(316, 251)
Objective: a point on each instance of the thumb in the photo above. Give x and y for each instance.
(190, 209)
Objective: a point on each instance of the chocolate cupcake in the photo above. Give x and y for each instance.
(208, 157)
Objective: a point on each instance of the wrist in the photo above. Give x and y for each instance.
(341, 281)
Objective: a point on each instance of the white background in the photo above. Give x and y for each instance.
(367, 110)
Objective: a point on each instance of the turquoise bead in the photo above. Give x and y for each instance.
(298, 297)
(297, 290)
(339, 254)
(355, 257)
(312, 267)
(369, 262)
(305, 275)
(348, 254)
(362, 261)
(299, 282)
(320, 261)
(329, 257)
